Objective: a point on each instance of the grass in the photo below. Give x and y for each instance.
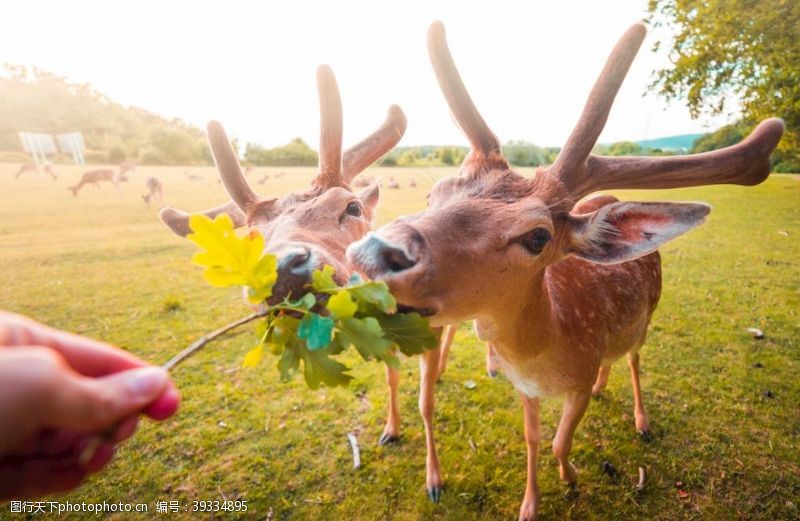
(101, 264)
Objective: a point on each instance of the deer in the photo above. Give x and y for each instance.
(49, 169)
(363, 181)
(128, 167)
(192, 177)
(94, 177)
(155, 191)
(560, 287)
(307, 230)
(394, 185)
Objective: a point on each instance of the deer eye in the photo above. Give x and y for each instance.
(353, 209)
(535, 240)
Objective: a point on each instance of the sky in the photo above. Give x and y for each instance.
(528, 65)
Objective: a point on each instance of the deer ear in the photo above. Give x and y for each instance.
(370, 195)
(620, 232)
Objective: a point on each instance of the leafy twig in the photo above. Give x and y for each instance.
(205, 339)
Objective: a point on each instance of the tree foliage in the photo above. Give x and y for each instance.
(35, 100)
(746, 51)
(295, 153)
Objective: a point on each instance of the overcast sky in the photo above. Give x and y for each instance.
(529, 65)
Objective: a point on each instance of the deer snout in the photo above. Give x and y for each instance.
(295, 264)
(379, 257)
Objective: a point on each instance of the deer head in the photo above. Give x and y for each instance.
(489, 232)
(309, 229)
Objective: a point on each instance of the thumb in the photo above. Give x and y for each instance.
(92, 404)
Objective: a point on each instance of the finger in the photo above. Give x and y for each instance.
(87, 356)
(166, 405)
(49, 442)
(125, 429)
(28, 478)
(94, 404)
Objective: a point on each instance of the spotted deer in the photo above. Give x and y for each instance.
(95, 177)
(155, 191)
(560, 288)
(128, 167)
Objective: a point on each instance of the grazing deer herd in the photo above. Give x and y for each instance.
(558, 286)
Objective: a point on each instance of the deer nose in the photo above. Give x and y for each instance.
(295, 264)
(379, 257)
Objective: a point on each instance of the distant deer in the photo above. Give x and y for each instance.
(412, 183)
(363, 181)
(560, 288)
(193, 177)
(394, 185)
(266, 177)
(94, 177)
(128, 167)
(49, 169)
(155, 191)
(249, 170)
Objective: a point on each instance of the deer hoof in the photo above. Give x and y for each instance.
(388, 439)
(435, 493)
(645, 435)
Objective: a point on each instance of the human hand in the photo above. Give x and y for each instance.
(58, 392)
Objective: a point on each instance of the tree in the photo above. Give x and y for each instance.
(743, 50)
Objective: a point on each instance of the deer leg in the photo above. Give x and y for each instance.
(447, 341)
(391, 431)
(602, 379)
(574, 406)
(428, 371)
(491, 362)
(642, 424)
(530, 505)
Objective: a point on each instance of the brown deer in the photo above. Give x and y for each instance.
(560, 288)
(192, 177)
(155, 191)
(94, 177)
(309, 229)
(128, 167)
(49, 169)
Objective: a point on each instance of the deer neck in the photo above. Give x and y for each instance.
(519, 329)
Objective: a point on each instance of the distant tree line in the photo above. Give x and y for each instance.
(35, 100)
(296, 153)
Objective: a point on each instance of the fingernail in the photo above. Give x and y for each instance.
(146, 381)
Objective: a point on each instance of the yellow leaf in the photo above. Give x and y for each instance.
(254, 356)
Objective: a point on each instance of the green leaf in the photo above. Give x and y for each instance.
(254, 356)
(308, 301)
(375, 293)
(318, 368)
(410, 332)
(323, 280)
(367, 337)
(316, 331)
(341, 305)
(231, 260)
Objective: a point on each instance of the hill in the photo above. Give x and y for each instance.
(35, 100)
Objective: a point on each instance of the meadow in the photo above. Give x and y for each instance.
(724, 407)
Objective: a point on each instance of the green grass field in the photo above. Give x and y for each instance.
(101, 264)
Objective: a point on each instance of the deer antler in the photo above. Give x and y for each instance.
(330, 135)
(230, 172)
(485, 147)
(746, 163)
(373, 147)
